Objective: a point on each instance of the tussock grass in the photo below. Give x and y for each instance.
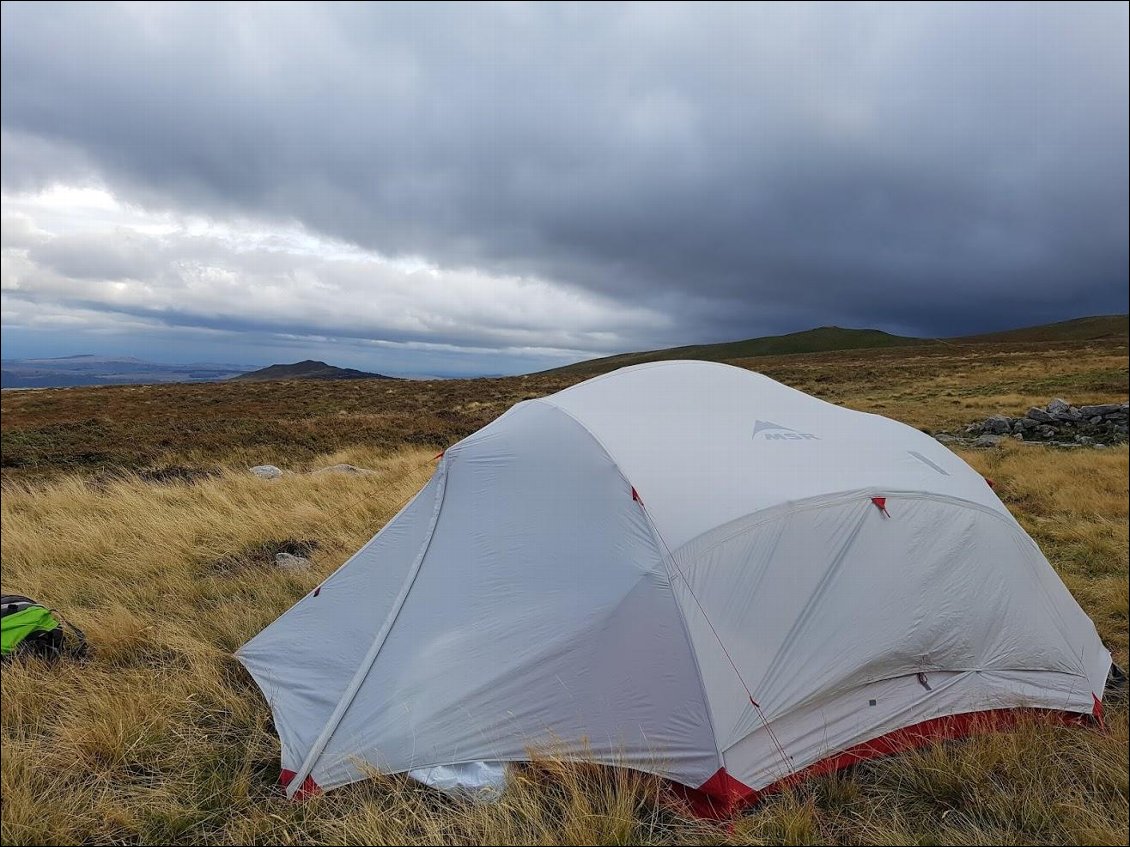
(161, 737)
(131, 511)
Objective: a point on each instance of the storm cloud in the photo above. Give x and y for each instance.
(569, 179)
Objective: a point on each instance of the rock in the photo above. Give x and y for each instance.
(266, 471)
(945, 438)
(352, 470)
(1099, 446)
(998, 424)
(1059, 425)
(289, 562)
(1100, 410)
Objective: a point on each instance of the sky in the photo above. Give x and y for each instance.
(482, 189)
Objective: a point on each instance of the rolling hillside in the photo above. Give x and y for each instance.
(809, 341)
(131, 510)
(1079, 329)
(830, 338)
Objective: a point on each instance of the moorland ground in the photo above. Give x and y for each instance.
(130, 509)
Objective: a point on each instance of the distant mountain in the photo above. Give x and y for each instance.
(87, 369)
(308, 369)
(829, 338)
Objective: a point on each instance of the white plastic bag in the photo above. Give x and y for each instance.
(482, 782)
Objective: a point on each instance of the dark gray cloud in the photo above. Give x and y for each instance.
(740, 169)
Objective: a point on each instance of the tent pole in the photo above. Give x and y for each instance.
(378, 642)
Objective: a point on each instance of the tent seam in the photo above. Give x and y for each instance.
(653, 532)
(777, 511)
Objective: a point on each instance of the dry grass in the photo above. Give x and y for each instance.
(162, 738)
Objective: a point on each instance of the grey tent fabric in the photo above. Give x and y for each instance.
(681, 567)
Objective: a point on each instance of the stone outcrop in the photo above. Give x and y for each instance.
(1058, 423)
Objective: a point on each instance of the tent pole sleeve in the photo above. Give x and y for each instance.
(378, 642)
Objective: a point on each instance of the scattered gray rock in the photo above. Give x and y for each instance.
(289, 562)
(266, 471)
(352, 470)
(1058, 407)
(997, 424)
(1059, 424)
(1100, 446)
(988, 440)
(1100, 410)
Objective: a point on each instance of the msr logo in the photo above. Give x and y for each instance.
(775, 432)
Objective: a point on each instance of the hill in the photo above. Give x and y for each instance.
(308, 369)
(1099, 327)
(830, 338)
(818, 340)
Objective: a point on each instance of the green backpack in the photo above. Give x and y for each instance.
(30, 629)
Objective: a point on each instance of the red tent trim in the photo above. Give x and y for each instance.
(309, 787)
(722, 795)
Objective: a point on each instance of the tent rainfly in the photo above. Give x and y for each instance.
(684, 568)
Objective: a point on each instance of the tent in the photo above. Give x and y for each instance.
(685, 568)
